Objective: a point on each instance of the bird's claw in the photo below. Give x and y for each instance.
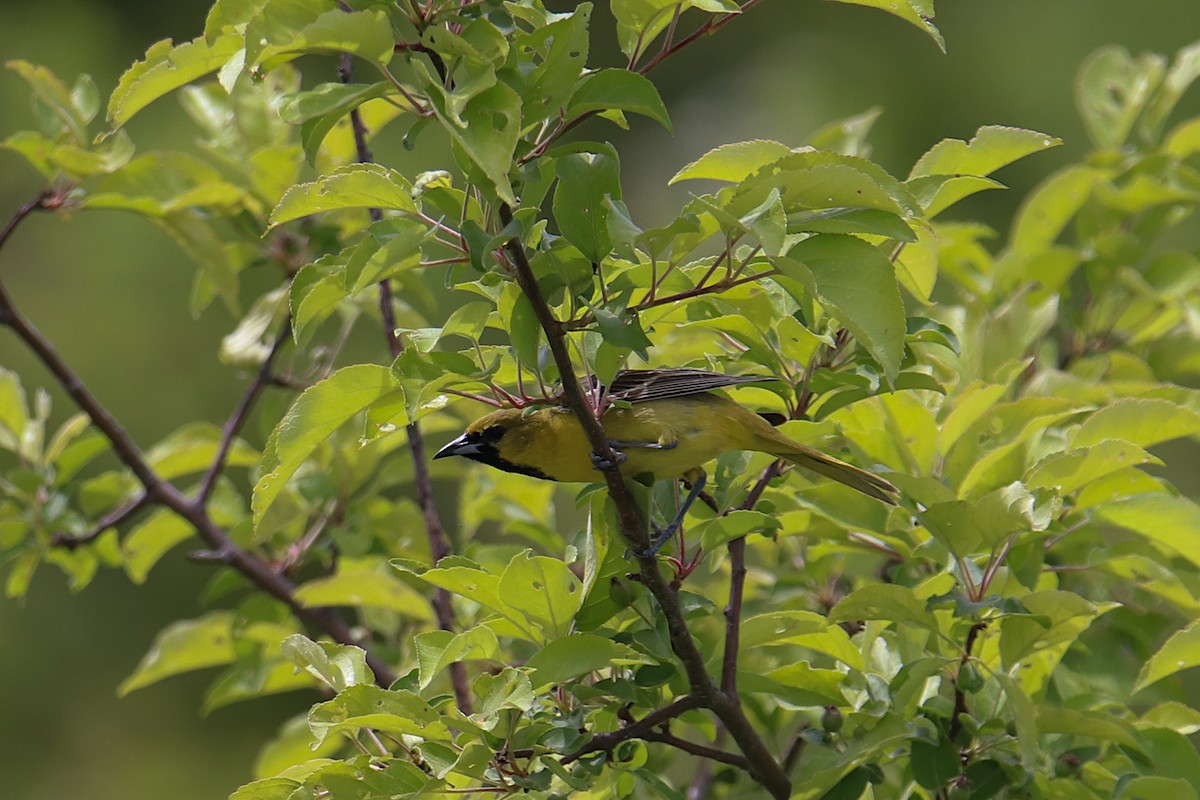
(602, 463)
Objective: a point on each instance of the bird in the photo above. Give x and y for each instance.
(668, 426)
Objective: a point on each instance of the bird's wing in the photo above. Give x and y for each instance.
(637, 385)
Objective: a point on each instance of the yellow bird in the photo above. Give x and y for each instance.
(673, 425)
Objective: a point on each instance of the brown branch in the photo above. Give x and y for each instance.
(703, 751)
(234, 424)
(635, 730)
(439, 543)
(164, 493)
(112, 518)
(760, 763)
(21, 213)
(733, 615)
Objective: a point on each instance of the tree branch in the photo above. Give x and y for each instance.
(760, 763)
(439, 543)
(634, 730)
(164, 493)
(21, 213)
(114, 517)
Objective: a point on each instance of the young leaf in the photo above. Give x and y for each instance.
(165, 68)
(182, 647)
(352, 186)
(584, 181)
(618, 90)
(316, 414)
(858, 285)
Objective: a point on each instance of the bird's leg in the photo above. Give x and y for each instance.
(662, 535)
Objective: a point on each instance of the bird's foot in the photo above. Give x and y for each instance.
(602, 463)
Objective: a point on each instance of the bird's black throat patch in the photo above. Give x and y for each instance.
(488, 454)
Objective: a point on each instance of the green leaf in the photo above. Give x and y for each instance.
(1111, 91)
(1024, 715)
(338, 666)
(165, 68)
(934, 764)
(284, 29)
(544, 590)
(561, 50)
(351, 186)
(487, 133)
(1168, 521)
(1047, 210)
(193, 448)
(576, 655)
(393, 712)
(724, 529)
(1089, 724)
(182, 647)
(316, 414)
(363, 583)
(1072, 469)
(883, 601)
(14, 411)
(914, 12)
(64, 104)
(858, 285)
(150, 540)
(1143, 421)
(733, 162)
(437, 650)
(585, 181)
(1145, 787)
(621, 90)
(992, 147)
(331, 99)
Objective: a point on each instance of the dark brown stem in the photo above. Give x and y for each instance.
(20, 215)
(960, 697)
(439, 544)
(634, 730)
(109, 520)
(701, 750)
(760, 763)
(234, 424)
(733, 615)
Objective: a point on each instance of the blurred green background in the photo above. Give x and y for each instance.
(110, 291)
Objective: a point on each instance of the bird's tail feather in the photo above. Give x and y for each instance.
(866, 482)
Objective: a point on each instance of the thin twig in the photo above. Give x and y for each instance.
(236, 420)
(635, 730)
(710, 753)
(21, 213)
(109, 520)
(960, 697)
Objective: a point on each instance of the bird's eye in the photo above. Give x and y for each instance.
(492, 433)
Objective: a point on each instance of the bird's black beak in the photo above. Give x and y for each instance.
(465, 445)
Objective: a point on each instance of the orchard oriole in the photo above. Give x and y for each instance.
(672, 425)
